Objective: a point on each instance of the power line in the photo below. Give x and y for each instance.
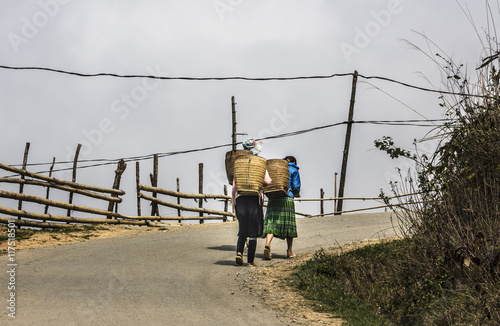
(104, 162)
(104, 74)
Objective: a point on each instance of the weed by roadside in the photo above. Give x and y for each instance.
(384, 284)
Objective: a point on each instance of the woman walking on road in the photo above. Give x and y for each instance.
(249, 212)
(280, 215)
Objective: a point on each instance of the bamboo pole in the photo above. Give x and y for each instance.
(180, 194)
(160, 224)
(60, 182)
(296, 213)
(73, 179)
(337, 198)
(369, 208)
(54, 203)
(343, 172)
(50, 217)
(356, 198)
(4, 220)
(66, 188)
(171, 218)
(184, 208)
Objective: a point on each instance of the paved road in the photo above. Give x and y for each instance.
(182, 277)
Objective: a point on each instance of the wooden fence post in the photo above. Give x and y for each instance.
(48, 188)
(21, 186)
(154, 183)
(335, 193)
(138, 182)
(116, 185)
(75, 163)
(200, 188)
(347, 142)
(321, 205)
(226, 204)
(178, 200)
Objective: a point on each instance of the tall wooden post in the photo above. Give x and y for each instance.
(48, 188)
(21, 186)
(138, 182)
(200, 188)
(233, 107)
(116, 185)
(347, 142)
(226, 204)
(178, 199)
(335, 193)
(154, 183)
(73, 179)
(322, 206)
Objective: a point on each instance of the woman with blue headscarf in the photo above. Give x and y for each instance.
(280, 215)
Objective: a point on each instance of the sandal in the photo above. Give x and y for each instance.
(290, 256)
(239, 258)
(267, 253)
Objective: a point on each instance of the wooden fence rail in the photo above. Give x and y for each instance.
(181, 194)
(219, 215)
(61, 182)
(68, 219)
(112, 196)
(58, 204)
(5, 220)
(60, 187)
(111, 217)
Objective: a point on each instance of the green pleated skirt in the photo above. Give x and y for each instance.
(280, 218)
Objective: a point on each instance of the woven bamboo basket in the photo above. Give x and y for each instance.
(230, 158)
(249, 174)
(280, 175)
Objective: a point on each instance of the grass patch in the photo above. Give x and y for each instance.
(384, 284)
(21, 234)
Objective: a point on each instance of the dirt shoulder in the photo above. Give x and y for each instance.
(28, 239)
(270, 284)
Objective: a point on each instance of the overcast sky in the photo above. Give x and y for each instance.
(118, 118)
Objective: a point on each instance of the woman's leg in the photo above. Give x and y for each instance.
(289, 252)
(252, 246)
(269, 238)
(240, 247)
(267, 249)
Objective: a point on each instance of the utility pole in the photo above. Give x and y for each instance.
(346, 145)
(233, 106)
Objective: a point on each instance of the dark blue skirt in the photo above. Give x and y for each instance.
(250, 216)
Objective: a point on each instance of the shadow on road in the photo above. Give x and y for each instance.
(224, 248)
(226, 263)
